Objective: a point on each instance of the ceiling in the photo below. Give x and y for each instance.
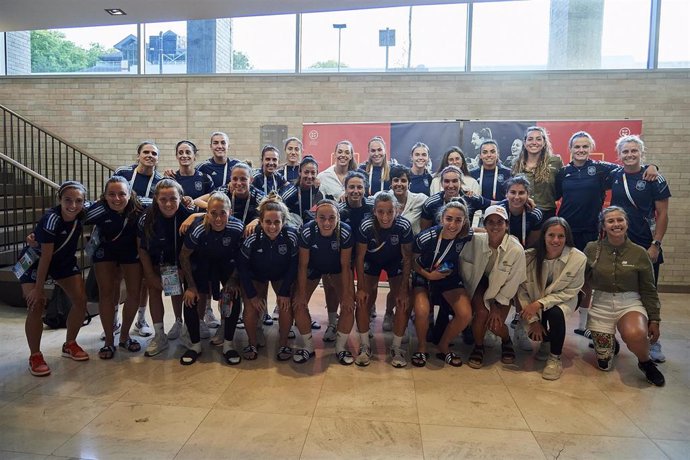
(52, 14)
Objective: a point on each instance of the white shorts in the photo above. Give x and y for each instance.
(609, 307)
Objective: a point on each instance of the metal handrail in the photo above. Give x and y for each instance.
(56, 137)
(28, 171)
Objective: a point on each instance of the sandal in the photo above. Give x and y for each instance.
(130, 345)
(450, 358)
(107, 352)
(345, 357)
(419, 359)
(189, 357)
(284, 353)
(232, 357)
(507, 352)
(250, 353)
(301, 356)
(476, 359)
(315, 325)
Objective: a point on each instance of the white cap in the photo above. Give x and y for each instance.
(498, 210)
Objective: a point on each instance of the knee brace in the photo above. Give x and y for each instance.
(603, 345)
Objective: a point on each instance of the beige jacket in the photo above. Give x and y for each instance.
(413, 210)
(507, 273)
(566, 281)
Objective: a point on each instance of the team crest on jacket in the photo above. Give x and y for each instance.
(592, 170)
(198, 186)
(458, 247)
(282, 249)
(500, 178)
(100, 253)
(426, 182)
(334, 245)
(395, 240)
(640, 185)
(227, 240)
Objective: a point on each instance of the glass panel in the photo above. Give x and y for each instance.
(510, 35)
(264, 44)
(625, 41)
(107, 49)
(165, 47)
(437, 37)
(674, 34)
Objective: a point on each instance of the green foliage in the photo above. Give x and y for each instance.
(330, 64)
(52, 52)
(240, 61)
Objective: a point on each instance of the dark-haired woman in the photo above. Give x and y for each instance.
(293, 155)
(491, 174)
(325, 253)
(267, 178)
(269, 255)
(159, 244)
(115, 217)
(58, 233)
(207, 260)
(301, 197)
(555, 275)
(454, 156)
(219, 166)
(625, 296)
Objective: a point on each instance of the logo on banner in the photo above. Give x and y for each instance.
(313, 134)
(625, 131)
(592, 170)
(282, 249)
(640, 185)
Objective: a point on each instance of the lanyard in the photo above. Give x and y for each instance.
(124, 224)
(148, 187)
(274, 187)
(225, 172)
(481, 178)
(74, 227)
(299, 199)
(162, 260)
(371, 175)
(246, 206)
(627, 191)
(436, 262)
(524, 228)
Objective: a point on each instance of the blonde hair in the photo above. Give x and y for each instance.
(216, 196)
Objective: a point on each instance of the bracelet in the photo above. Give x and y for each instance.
(653, 321)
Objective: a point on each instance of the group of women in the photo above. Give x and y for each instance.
(225, 231)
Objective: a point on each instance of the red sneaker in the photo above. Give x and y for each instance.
(37, 365)
(74, 351)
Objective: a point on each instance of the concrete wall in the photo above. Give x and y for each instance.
(108, 116)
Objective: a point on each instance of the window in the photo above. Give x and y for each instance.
(435, 41)
(264, 44)
(93, 50)
(674, 34)
(625, 40)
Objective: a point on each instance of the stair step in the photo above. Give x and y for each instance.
(27, 201)
(8, 189)
(20, 216)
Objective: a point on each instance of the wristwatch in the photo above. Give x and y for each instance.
(657, 243)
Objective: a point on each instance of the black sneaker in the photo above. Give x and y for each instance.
(652, 373)
(605, 364)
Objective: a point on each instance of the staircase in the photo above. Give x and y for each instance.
(33, 162)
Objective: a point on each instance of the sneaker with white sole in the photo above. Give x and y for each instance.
(652, 373)
(398, 359)
(364, 357)
(515, 321)
(387, 322)
(553, 368)
(210, 318)
(330, 334)
(157, 345)
(116, 330)
(38, 365)
(204, 331)
(143, 329)
(73, 351)
(656, 354)
(175, 330)
(520, 338)
(267, 320)
(543, 352)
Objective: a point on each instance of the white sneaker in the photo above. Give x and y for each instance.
(398, 358)
(364, 357)
(116, 330)
(543, 352)
(388, 322)
(330, 334)
(175, 330)
(520, 338)
(553, 368)
(143, 329)
(656, 354)
(210, 319)
(204, 331)
(157, 345)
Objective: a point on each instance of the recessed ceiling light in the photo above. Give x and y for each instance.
(115, 12)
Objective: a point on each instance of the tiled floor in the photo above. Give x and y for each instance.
(149, 408)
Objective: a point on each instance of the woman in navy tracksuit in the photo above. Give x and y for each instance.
(267, 178)
(207, 260)
(301, 197)
(269, 255)
(57, 233)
